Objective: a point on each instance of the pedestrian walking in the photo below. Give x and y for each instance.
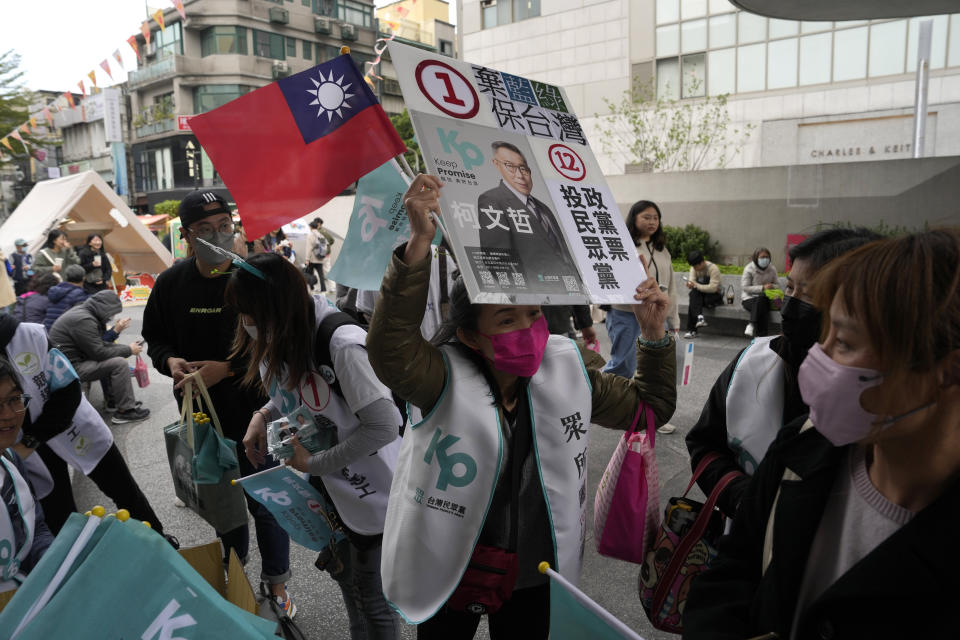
(189, 329)
(319, 244)
(282, 334)
(500, 412)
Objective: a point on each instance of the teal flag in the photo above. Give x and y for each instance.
(574, 616)
(122, 580)
(297, 506)
(378, 225)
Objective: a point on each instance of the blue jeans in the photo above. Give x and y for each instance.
(623, 328)
(371, 618)
(272, 540)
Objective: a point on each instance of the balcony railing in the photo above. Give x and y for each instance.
(153, 128)
(153, 72)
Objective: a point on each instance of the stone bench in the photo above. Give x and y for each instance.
(733, 316)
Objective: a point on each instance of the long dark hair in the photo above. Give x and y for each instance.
(658, 238)
(463, 314)
(283, 312)
(91, 237)
(52, 238)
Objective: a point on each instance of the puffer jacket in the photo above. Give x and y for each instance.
(415, 369)
(32, 307)
(79, 332)
(62, 296)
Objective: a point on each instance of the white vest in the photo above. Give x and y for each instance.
(12, 557)
(448, 469)
(359, 491)
(84, 443)
(755, 403)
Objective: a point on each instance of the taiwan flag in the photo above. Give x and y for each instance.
(286, 149)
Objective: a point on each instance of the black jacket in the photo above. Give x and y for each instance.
(104, 272)
(905, 588)
(710, 433)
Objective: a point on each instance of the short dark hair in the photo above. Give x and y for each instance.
(659, 237)
(509, 147)
(74, 274)
(758, 251)
(829, 244)
(7, 370)
(694, 258)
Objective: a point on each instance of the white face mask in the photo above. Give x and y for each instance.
(251, 330)
(763, 263)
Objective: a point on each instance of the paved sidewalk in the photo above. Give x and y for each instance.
(612, 583)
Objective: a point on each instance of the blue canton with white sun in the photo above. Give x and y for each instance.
(323, 98)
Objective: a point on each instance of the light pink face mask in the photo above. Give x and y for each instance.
(520, 352)
(833, 391)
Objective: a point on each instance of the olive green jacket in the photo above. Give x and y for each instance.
(415, 369)
(43, 260)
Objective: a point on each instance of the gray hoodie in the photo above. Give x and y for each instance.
(78, 333)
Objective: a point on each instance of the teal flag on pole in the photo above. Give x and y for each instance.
(574, 616)
(297, 506)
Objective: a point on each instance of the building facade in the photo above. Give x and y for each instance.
(224, 49)
(94, 137)
(813, 92)
(423, 21)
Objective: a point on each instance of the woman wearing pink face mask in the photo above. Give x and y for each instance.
(491, 476)
(848, 527)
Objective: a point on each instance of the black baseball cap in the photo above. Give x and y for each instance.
(196, 206)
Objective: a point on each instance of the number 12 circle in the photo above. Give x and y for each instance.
(447, 89)
(567, 163)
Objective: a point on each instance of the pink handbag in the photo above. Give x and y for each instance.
(141, 373)
(626, 509)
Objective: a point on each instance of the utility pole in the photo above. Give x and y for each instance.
(920, 91)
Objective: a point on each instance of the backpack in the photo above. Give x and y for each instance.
(322, 357)
(320, 247)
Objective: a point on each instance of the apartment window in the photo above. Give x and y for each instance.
(168, 42)
(326, 8)
(446, 47)
(326, 52)
(355, 13)
(305, 3)
(307, 50)
(212, 96)
(499, 12)
(291, 47)
(730, 51)
(268, 45)
(221, 40)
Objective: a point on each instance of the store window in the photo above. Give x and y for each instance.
(223, 40)
(494, 13)
(269, 45)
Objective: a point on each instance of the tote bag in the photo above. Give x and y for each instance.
(627, 504)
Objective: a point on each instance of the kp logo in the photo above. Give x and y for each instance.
(447, 462)
(469, 153)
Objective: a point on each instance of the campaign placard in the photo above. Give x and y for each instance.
(527, 210)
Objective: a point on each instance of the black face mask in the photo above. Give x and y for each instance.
(800, 322)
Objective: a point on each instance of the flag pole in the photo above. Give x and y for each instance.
(406, 165)
(584, 599)
(258, 473)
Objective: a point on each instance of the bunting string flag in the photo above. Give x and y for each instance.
(145, 30)
(132, 41)
(69, 97)
(179, 5)
(48, 116)
(21, 140)
(7, 144)
(33, 123)
(106, 67)
(93, 77)
(25, 128)
(158, 16)
(118, 57)
(83, 89)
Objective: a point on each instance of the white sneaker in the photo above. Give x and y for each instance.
(749, 330)
(667, 428)
(700, 321)
(690, 334)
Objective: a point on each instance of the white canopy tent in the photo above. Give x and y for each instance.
(82, 204)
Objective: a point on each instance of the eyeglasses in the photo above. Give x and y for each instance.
(206, 231)
(513, 168)
(16, 404)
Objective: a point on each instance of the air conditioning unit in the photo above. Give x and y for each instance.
(278, 15)
(323, 25)
(150, 51)
(280, 69)
(348, 32)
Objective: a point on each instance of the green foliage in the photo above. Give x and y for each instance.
(667, 134)
(15, 102)
(682, 240)
(168, 208)
(405, 128)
